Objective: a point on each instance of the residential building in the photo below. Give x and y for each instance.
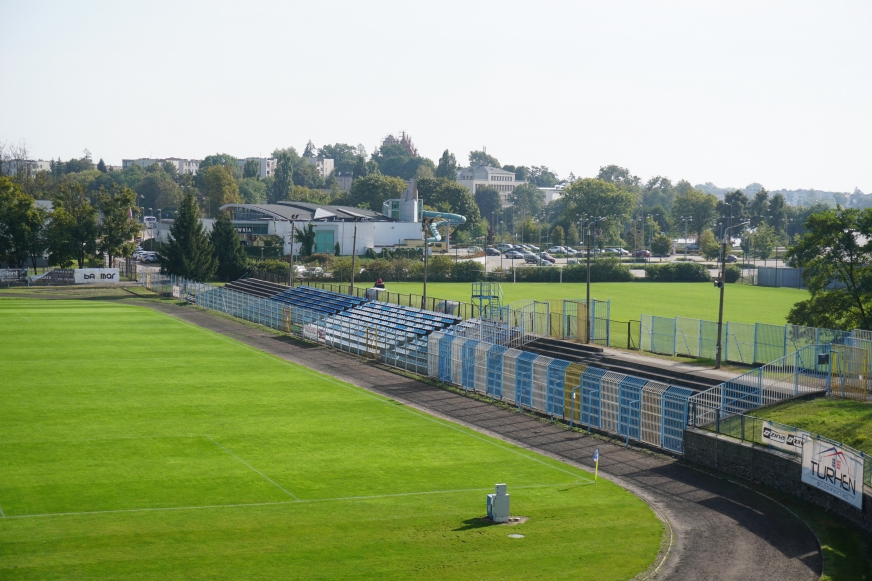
(344, 179)
(324, 166)
(183, 166)
(266, 166)
(484, 175)
(12, 167)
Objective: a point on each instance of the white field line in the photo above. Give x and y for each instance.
(77, 440)
(365, 392)
(283, 502)
(265, 477)
(2, 514)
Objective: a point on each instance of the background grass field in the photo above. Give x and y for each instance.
(743, 303)
(134, 446)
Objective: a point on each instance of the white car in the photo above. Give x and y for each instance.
(315, 271)
(557, 250)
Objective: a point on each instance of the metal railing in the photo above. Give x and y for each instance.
(748, 428)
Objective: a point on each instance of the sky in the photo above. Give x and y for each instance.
(730, 92)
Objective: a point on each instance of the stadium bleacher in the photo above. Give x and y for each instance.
(256, 287)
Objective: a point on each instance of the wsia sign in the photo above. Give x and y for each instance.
(834, 470)
(783, 439)
(95, 275)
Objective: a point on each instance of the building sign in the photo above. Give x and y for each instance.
(243, 229)
(834, 470)
(783, 439)
(11, 274)
(95, 275)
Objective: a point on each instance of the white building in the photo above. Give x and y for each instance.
(554, 193)
(184, 166)
(12, 167)
(484, 175)
(266, 166)
(324, 166)
(333, 225)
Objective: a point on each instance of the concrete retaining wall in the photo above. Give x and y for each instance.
(769, 467)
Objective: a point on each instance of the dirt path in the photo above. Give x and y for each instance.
(722, 530)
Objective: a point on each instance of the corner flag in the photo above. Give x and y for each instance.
(596, 464)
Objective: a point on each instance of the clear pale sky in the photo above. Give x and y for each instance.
(733, 92)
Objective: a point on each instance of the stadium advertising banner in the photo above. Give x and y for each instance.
(11, 274)
(95, 275)
(177, 291)
(782, 439)
(833, 470)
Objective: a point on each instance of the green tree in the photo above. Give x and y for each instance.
(699, 206)
(661, 245)
(283, 177)
(543, 177)
(488, 200)
(189, 252)
(477, 158)
(306, 239)
(763, 241)
(527, 200)
(658, 192)
(837, 247)
(219, 188)
(447, 167)
(371, 191)
(758, 209)
(252, 190)
(251, 169)
(22, 226)
(157, 188)
(343, 156)
(572, 235)
(708, 245)
(73, 229)
(229, 252)
(595, 197)
(101, 166)
(777, 217)
(557, 238)
(620, 176)
(118, 227)
(222, 159)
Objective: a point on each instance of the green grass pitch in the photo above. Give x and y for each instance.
(742, 303)
(135, 446)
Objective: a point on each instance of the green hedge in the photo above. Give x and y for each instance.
(601, 270)
(677, 272)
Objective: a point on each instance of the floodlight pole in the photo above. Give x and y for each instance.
(424, 224)
(353, 253)
(721, 283)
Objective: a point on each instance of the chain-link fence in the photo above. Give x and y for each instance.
(746, 343)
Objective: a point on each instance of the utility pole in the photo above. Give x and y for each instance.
(293, 235)
(720, 283)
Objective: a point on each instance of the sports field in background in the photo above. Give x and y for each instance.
(742, 304)
(135, 446)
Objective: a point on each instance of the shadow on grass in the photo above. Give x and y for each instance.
(476, 523)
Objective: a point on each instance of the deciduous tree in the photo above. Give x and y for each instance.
(837, 247)
(73, 229)
(118, 226)
(447, 167)
(595, 197)
(219, 188)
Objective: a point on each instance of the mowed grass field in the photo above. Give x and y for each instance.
(742, 303)
(135, 446)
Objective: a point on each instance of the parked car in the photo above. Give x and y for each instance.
(491, 251)
(571, 251)
(473, 249)
(611, 251)
(315, 271)
(149, 257)
(557, 250)
(546, 256)
(504, 246)
(299, 270)
(642, 254)
(537, 260)
(692, 247)
(513, 254)
(732, 258)
(533, 248)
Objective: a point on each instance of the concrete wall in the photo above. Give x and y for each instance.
(769, 467)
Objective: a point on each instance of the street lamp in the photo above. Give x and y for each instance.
(720, 283)
(425, 225)
(159, 233)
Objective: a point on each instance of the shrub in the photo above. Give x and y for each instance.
(732, 273)
(677, 272)
(370, 253)
(468, 271)
(276, 267)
